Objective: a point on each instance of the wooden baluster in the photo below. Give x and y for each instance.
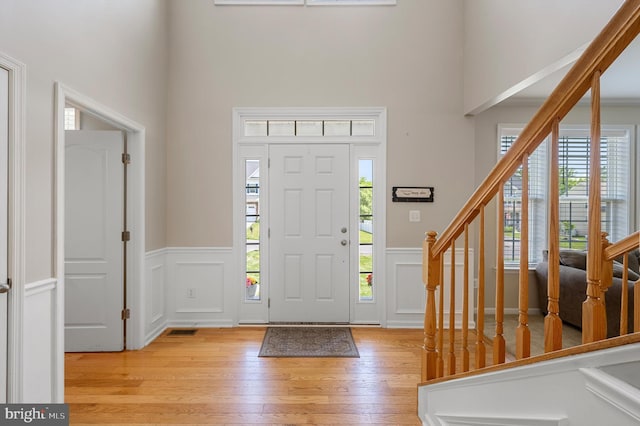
(523, 334)
(606, 274)
(452, 313)
(431, 278)
(465, 303)
(594, 319)
(440, 359)
(481, 351)
(498, 339)
(552, 322)
(624, 296)
(636, 307)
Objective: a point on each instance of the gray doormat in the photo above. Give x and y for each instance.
(309, 342)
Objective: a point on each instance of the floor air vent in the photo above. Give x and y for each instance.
(182, 332)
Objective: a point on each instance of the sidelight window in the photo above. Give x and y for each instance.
(252, 233)
(365, 234)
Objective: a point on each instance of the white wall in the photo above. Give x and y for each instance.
(407, 58)
(114, 52)
(507, 41)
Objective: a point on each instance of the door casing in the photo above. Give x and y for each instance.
(361, 147)
(16, 220)
(135, 134)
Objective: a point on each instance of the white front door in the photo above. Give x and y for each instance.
(93, 241)
(309, 235)
(4, 152)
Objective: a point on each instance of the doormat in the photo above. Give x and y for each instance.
(182, 332)
(310, 342)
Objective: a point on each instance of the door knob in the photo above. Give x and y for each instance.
(344, 242)
(4, 287)
(343, 230)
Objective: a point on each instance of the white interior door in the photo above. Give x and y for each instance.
(309, 235)
(93, 241)
(4, 153)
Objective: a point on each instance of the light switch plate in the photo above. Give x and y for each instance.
(414, 215)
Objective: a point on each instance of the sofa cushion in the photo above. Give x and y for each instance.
(574, 258)
(634, 260)
(618, 268)
(578, 259)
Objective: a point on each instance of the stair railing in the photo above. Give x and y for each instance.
(584, 75)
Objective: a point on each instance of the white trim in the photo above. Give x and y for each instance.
(37, 287)
(308, 2)
(613, 391)
(351, 2)
(258, 2)
(155, 333)
(559, 386)
(136, 213)
(254, 147)
(16, 228)
(205, 251)
(406, 295)
(209, 323)
(453, 419)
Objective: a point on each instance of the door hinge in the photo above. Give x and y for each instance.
(126, 235)
(268, 163)
(126, 314)
(126, 158)
(268, 303)
(5, 287)
(268, 232)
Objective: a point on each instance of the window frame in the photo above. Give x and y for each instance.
(259, 2)
(304, 2)
(351, 2)
(632, 170)
(362, 311)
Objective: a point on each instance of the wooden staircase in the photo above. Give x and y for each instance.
(461, 358)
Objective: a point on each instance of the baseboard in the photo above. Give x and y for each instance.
(405, 324)
(200, 324)
(512, 311)
(155, 333)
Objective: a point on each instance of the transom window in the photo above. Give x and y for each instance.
(281, 128)
(573, 159)
(307, 2)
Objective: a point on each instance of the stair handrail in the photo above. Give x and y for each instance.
(598, 56)
(585, 74)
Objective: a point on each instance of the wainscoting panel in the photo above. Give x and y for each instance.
(40, 353)
(197, 282)
(406, 296)
(155, 290)
(405, 292)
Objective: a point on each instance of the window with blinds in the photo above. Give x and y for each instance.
(573, 159)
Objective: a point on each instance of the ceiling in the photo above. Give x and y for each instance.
(620, 84)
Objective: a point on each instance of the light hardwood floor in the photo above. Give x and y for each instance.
(216, 377)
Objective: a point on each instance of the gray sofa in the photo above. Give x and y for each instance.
(573, 288)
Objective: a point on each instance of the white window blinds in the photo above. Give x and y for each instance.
(574, 190)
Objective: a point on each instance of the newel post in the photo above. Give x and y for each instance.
(430, 278)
